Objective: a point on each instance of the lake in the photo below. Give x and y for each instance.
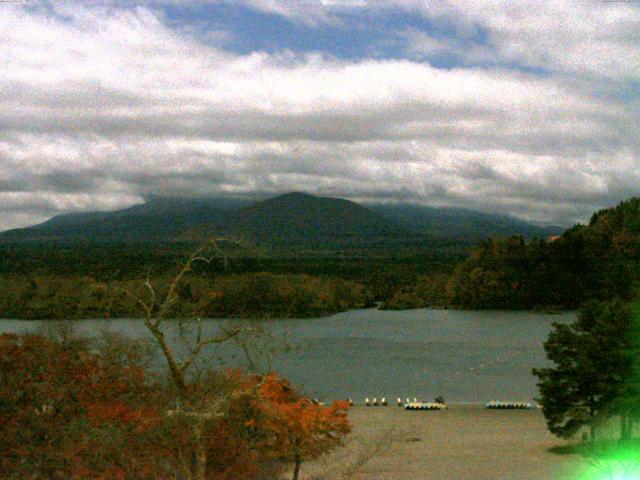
(465, 356)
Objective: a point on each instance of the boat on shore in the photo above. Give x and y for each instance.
(425, 406)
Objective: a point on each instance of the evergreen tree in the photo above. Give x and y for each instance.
(594, 362)
(627, 405)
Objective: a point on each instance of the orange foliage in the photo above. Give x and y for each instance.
(70, 411)
(297, 426)
(61, 403)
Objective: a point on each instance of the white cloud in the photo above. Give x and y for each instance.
(107, 105)
(309, 12)
(576, 36)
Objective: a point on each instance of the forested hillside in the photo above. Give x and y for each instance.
(598, 261)
(302, 222)
(261, 295)
(460, 224)
(293, 223)
(52, 281)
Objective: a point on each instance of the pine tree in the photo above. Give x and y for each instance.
(594, 360)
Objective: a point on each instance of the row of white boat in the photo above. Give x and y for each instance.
(408, 404)
(495, 404)
(415, 404)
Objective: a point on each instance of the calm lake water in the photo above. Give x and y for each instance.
(466, 356)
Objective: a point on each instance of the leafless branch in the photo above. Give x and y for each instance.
(199, 343)
(145, 306)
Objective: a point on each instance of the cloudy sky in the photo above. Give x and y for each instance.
(530, 108)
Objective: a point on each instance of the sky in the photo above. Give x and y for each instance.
(527, 108)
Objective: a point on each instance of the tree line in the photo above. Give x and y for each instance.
(599, 261)
(238, 295)
(51, 281)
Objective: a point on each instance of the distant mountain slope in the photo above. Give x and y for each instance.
(293, 220)
(160, 219)
(459, 223)
(306, 220)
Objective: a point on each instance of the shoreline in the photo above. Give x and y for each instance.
(314, 316)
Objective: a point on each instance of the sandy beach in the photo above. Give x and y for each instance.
(463, 442)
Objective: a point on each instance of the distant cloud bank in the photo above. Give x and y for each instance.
(526, 108)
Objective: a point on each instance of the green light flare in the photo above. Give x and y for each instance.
(619, 464)
(612, 474)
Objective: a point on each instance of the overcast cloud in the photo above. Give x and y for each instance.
(522, 107)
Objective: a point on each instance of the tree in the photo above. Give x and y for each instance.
(299, 429)
(594, 361)
(73, 409)
(204, 414)
(196, 409)
(627, 405)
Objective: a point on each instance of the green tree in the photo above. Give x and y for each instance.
(627, 405)
(594, 362)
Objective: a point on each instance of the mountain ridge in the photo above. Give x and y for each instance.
(294, 218)
(457, 222)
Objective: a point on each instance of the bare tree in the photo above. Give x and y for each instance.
(197, 412)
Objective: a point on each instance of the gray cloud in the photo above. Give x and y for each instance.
(112, 105)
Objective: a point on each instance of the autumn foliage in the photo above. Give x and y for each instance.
(299, 428)
(66, 411)
(74, 409)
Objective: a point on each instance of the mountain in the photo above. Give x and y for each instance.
(293, 220)
(302, 220)
(157, 220)
(459, 223)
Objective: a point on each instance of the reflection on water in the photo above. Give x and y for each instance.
(466, 356)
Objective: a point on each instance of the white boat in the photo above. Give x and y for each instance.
(500, 405)
(425, 406)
